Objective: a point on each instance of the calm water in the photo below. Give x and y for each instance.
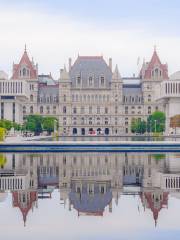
(90, 196)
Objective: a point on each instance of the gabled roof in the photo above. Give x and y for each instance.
(24, 61)
(147, 67)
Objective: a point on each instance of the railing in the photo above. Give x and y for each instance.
(13, 88)
(168, 89)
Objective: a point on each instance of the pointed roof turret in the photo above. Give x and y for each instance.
(148, 68)
(24, 63)
(116, 74)
(64, 74)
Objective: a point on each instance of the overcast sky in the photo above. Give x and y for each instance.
(56, 30)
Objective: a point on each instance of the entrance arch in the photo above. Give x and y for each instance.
(99, 131)
(74, 131)
(83, 131)
(106, 131)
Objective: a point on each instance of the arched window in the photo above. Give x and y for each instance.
(48, 109)
(74, 121)
(54, 109)
(74, 110)
(24, 72)
(31, 98)
(64, 109)
(41, 109)
(90, 81)
(31, 109)
(106, 110)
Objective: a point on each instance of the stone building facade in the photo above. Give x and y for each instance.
(90, 97)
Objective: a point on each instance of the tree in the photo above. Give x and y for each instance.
(49, 123)
(34, 124)
(138, 126)
(156, 122)
(6, 124)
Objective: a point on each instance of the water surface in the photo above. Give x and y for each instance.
(90, 196)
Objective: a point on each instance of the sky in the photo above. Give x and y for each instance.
(55, 30)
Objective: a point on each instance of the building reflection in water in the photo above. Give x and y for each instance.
(89, 182)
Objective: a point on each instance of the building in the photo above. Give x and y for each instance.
(90, 97)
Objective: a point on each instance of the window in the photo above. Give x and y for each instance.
(90, 81)
(98, 110)
(102, 81)
(149, 98)
(149, 110)
(74, 110)
(106, 121)
(106, 110)
(90, 110)
(74, 121)
(82, 110)
(48, 109)
(64, 98)
(41, 109)
(54, 109)
(79, 80)
(64, 109)
(126, 109)
(31, 109)
(90, 121)
(24, 72)
(82, 121)
(31, 98)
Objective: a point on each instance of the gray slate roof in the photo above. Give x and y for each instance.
(90, 66)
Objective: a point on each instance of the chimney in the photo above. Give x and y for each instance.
(70, 62)
(110, 63)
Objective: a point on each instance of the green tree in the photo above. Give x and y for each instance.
(34, 124)
(6, 124)
(138, 126)
(156, 122)
(49, 124)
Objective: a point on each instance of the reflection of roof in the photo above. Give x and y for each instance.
(151, 203)
(90, 204)
(48, 180)
(29, 204)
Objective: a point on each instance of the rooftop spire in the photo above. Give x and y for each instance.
(25, 50)
(154, 48)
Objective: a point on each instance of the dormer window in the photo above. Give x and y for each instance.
(102, 81)
(24, 72)
(90, 81)
(78, 80)
(156, 73)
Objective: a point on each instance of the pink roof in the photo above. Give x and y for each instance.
(24, 61)
(155, 61)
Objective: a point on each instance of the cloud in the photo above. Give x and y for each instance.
(52, 38)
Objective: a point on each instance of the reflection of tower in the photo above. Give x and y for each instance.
(155, 200)
(24, 200)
